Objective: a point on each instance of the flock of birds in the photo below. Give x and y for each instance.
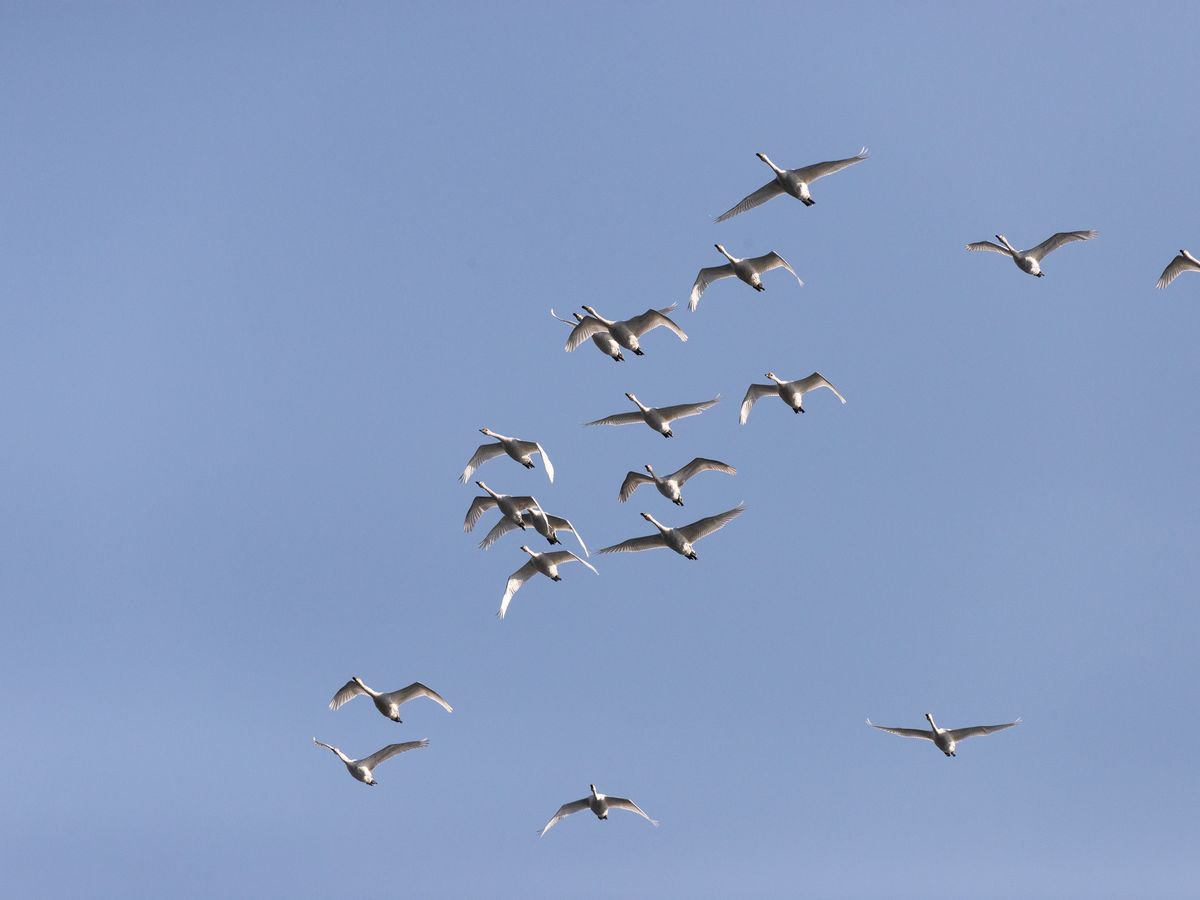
(612, 337)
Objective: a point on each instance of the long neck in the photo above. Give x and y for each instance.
(932, 724)
(1010, 247)
(657, 524)
(640, 406)
(370, 691)
(490, 492)
(774, 168)
(777, 379)
(1189, 256)
(725, 253)
(596, 315)
(342, 756)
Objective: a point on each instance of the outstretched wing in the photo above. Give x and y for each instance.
(478, 507)
(622, 803)
(771, 261)
(346, 692)
(683, 410)
(821, 169)
(771, 189)
(482, 455)
(391, 750)
(515, 580)
(1052, 243)
(565, 810)
(558, 523)
(415, 690)
(754, 393)
(817, 380)
(635, 545)
(587, 326)
(560, 557)
(904, 732)
(961, 734)
(1178, 266)
(703, 279)
(651, 319)
(633, 481)
(705, 527)
(499, 530)
(619, 419)
(698, 465)
(532, 447)
(988, 245)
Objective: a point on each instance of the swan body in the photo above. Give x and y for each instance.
(682, 539)
(546, 563)
(1030, 260)
(521, 451)
(599, 804)
(363, 769)
(388, 703)
(601, 338)
(659, 418)
(1184, 262)
(626, 333)
(795, 182)
(670, 486)
(748, 270)
(790, 392)
(945, 739)
(511, 508)
(539, 520)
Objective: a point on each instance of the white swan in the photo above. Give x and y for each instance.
(682, 539)
(598, 803)
(1030, 260)
(521, 451)
(540, 521)
(670, 486)
(511, 507)
(659, 418)
(1184, 262)
(606, 342)
(546, 563)
(944, 738)
(625, 333)
(790, 392)
(748, 270)
(791, 181)
(361, 769)
(387, 703)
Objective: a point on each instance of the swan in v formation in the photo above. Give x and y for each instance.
(1184, 262)
(362, 769)
(748, 270)
(388, 703)
(790, 392)
(945, 739)
(625, 333)
(1031, 260)
(521, 451)
(659, 418)
(681, 539)
(517, 512)
(670, 486)
(598, 803)
(791, 181)
(546, 563)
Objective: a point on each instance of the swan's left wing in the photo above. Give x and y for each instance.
(415, 690)
(619, 419)
(499, 530)
(515, 580)
(904, 732)
(652, 318)
(565, 810)
(704, 527)
(566, 556)
(821, 169)
(961, 734)
(754, 393)
(1052, 243)
(637, 544)
(683, 410)
(700, 464)
(1178, 266)
(587, 327)
(771, 261)
(348, 691)
(704, 278)
(769, 190)
(482, 455)
(622, 803)
(988, 245)
(391, 750)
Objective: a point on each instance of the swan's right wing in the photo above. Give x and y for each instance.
(904, 732)
(961, 734)
(565, 810)
(587, 326)
(622, 803)
(565, 556)
(820, 170)
(482, 455)
(817, 380)
(698, 465)
(704, 527)
(772, 260)
(1178, 266)
(988, 245)
(619, 419)
(558, 523)
(652, 318)
(769, 190)
(532, 447)
(499, 530)
(632, 482)
(683, 410)
(704, 278)
(515, 580)
(1052, 243)
(415, 690)
(347, 692)
(478, 507)
(391, 750)
(635, 545)
(754, 393)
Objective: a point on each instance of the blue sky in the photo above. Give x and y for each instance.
(268, 267)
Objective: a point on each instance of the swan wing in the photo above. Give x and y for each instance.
(622, 803)
(391, 750)
(704, 278)
(683, 410)
(1052, 243)
(499, 530)
(567, 809)
(704, 527)
(558, 523)
(479, 505)
(754, 393)
(633, 481)
(651, 319)
(988, 245)
(961, 734)
(771, 261)
(817, 380)
(562, 557)
(698, 465)
(769, 190)
(1178, 266)
(415, 690)
(482, 455)
(904, 732)
(587, 326)
(571, 322)
(532, 447)
(345, 693)
(636, 545)
(515, 580)
(630, 418)
(821, 169)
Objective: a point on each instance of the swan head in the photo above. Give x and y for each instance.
(929, 716)
(590, 310)
(486, 430)
(593, 788)
(649, 468)
(357, 680)
(633, 397)
(772, 376)
(525, 547)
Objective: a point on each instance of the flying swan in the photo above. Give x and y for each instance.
(670, 486)
(361, 769)
(521, 451)
(791, 181)
(748, 270)
(387, 703)
(1184, 262)
(944, 738)
(626, 333)
(660, 418)
(680, 540)
(1030, 260)
(598, 803)
(546, 563)
(539, 520)
(790, 392)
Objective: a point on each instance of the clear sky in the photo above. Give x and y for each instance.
(266, 269)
